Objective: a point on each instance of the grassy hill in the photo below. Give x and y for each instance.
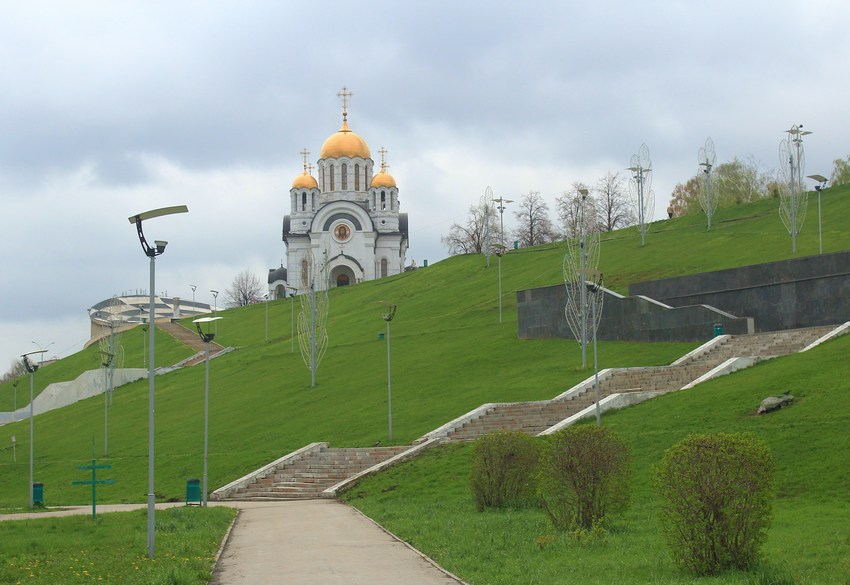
(450, 354)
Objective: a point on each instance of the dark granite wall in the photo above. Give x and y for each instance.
(801, 292)
(541, 314)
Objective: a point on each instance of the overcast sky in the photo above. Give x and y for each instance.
(108, 109)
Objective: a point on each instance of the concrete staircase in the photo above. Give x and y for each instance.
(535, 417)
(312, 470)
(308, 474)
(191, 339)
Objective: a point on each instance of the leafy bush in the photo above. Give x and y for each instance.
(716, 493)
(504, 466)
(584, 476)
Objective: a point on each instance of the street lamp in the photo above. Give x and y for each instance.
(583, 270)
(45, 348)
(266, 296)
(593, 288)
(388, 317)
(822, 180)
(293, 292)
(500, 251)
(193, 287)
(207, 338)
(152, 253)
(501, 207)
(31, 368)
(215, 306)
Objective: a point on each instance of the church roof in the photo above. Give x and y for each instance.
(305, 181)
(344, 142)
(383, 179)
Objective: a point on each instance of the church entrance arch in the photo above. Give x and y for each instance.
(342, 275)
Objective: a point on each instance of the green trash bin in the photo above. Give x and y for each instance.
(193, 492)
(38, 494)
(380, 336)
(718, 329)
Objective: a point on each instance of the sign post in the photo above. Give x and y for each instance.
(93, 483)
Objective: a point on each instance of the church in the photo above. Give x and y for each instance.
(344, 226)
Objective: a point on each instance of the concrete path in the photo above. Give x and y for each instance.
(318, 542)
(307, 542)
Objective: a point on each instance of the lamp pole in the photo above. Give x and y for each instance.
(822, 180)
(293, 292)
(500, 250)
(193, 287)
(583, 270)
(388, 317)
(267, 316)
(215, 306)
(501, 207)
(44, 350)
(207, 338)
(31, 367)
(152, 252)
(594, 289)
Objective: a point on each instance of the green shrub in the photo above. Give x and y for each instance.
(584, 477)
(716, 493)
(504, 467)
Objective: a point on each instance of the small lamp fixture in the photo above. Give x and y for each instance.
(206, 336)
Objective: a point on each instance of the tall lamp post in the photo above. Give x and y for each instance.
(501, 207)
(293, 292)
(45, 348)
(500, 250)
(388, 317)
(152, 252)
(215, 306)
(193, 287)
(822, 180)
(31, 367)
(207, 337)
(593, 287)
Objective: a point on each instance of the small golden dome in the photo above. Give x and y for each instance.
(383, 179)
(344, 142)
(305, 181)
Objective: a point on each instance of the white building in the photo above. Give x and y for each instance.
(344, 227)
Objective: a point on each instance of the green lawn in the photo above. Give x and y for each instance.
(429, 503)
(112, 549)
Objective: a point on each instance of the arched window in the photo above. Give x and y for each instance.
(344, 177)
(383, 267)
(356, 177)
(332, 177)
(383, 199)
(322, 173)
(304, 201)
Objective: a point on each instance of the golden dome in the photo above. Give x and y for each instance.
(383, 179)
(344, 142)
(305, 181)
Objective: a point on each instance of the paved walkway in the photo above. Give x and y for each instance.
(308, 542)
(317, 542)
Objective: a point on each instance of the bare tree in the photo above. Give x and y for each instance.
(534, 227)
(16, 370)
(244, 290)
(612, 203)
(570, 210)
(469, 238)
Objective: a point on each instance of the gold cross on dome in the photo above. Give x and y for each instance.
(305, 153)
(344, 94)
(383, 152)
